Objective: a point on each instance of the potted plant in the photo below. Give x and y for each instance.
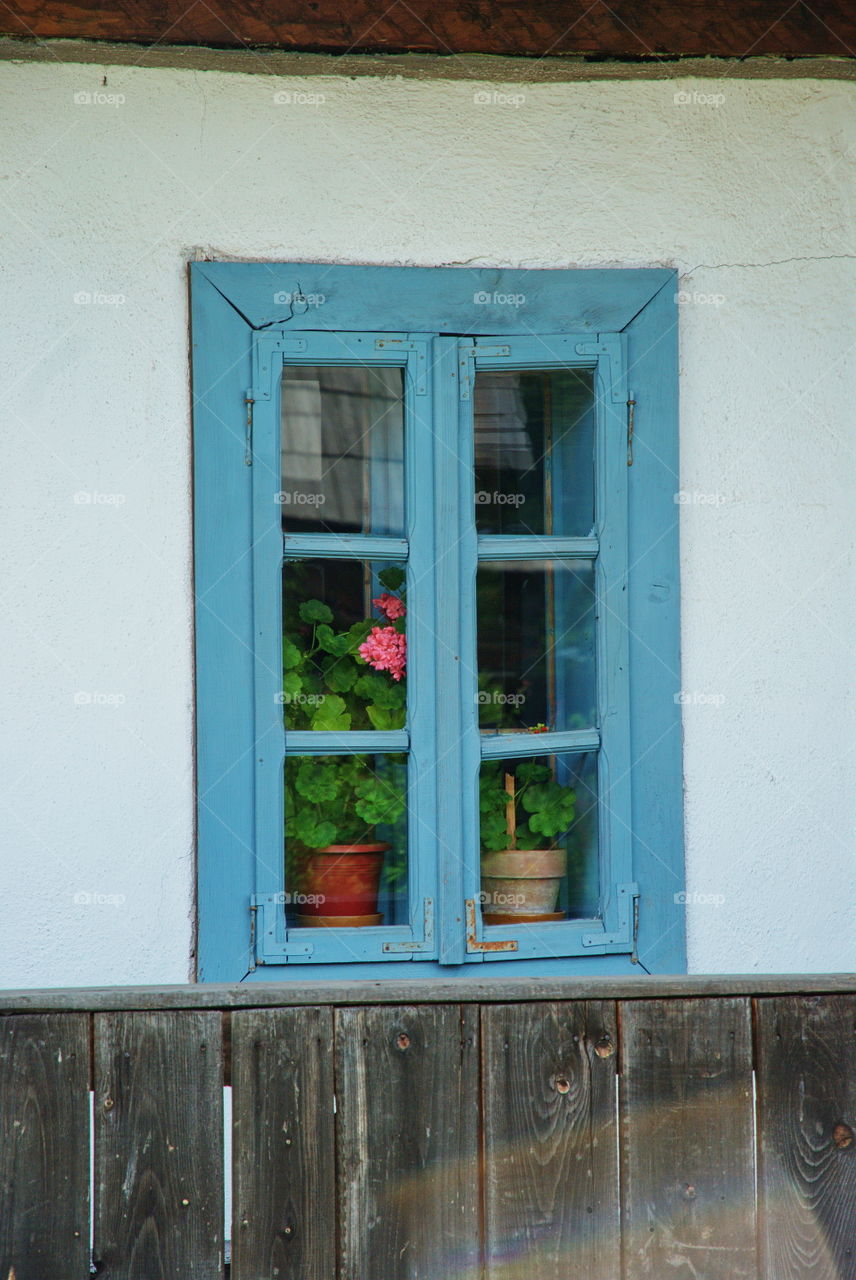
(340, 680)
(525, 807)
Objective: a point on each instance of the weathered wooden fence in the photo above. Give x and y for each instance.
(696, 1129)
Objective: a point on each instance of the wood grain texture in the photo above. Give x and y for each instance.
(807, 1148)
(408, 1161)
(44, 1147)
(158, 1146)
(620, 28)
(551, 1153)
(283, 1145)
(496, 990)
(687, 1141)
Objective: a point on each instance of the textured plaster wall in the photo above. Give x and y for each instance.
(106, 189)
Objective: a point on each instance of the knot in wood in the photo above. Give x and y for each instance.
(604, 1048)
(108, 1104)
(563, 1084)
(842, 1135)
(403, 1040)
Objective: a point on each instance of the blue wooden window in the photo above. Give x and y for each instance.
(484, 426)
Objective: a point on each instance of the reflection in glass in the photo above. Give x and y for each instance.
(536, 645)
(342, 446)
(534, 452)
(346, 840)
(538, 822)
(344, 648)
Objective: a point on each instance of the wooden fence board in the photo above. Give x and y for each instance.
(284, 1189)
(44, 1147)
(159, 1146)
(687, 1138)
(551, 1154)
(407, 1135)
(807, 1147)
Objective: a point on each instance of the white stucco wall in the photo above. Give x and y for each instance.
(750, 196)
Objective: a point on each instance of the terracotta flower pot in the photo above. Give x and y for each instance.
(343, 880)
(522, 882)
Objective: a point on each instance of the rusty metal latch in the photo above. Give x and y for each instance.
(476, 944)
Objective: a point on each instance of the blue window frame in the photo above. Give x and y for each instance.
(450, 339)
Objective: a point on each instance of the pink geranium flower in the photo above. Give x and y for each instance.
(390, 606)
(385, 649)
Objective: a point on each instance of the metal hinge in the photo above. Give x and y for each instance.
(610, 346)
(427, 941)
(627, 896)
(476, 944)
(265, 916)
(248, 443)
(466, 356)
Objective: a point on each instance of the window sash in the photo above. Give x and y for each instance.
(442, 552)
(278, 943)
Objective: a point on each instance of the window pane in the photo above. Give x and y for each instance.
(536, 645)
(534, 452)
(342, 448)
(539, 839)
(346, 840)
(344, 650)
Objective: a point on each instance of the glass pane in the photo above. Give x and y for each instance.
(344, 649)
(346, 840)
(342, 446)
(534, 452)
(536, 645)
(539, 858)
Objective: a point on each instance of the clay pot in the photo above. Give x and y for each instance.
(343, 880)
(522, 883)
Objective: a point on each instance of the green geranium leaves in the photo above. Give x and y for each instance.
(331, 714)
(315, 611)
(550, 806)
(391, 578)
